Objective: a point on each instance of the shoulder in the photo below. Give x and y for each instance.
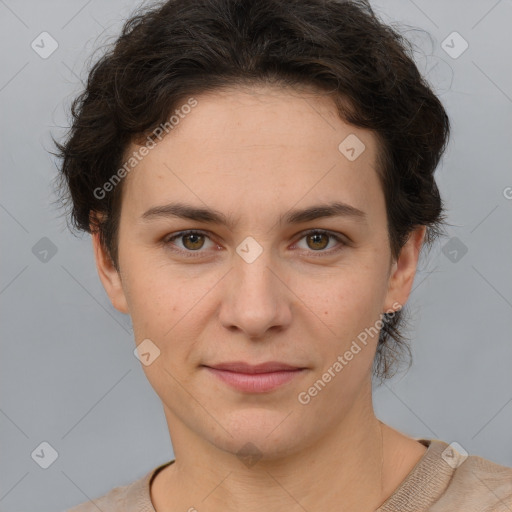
(476, 484)
(115, 500)
(112, 501)
(447, 479)
(133, 497)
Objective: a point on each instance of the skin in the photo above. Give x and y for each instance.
(254, 154)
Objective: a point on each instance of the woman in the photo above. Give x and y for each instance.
(257, 177)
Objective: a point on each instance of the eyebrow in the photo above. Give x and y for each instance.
(211, 216)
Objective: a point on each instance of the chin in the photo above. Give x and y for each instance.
(259, 434)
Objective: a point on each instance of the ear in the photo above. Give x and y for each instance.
(403, 270)
(109, 276)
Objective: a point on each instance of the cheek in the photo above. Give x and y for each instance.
(347, 299)
(165, 312)
(170, 308)
(152, 307)
(350, 307)
(152, 291)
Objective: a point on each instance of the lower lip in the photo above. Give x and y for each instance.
(255, 382)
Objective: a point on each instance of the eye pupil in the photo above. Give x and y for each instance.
(194, 237)
(315, 237)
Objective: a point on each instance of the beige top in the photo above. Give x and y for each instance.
(441, 481)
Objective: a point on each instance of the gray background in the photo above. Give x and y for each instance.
(68, 373)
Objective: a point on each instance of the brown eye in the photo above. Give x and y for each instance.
(322, 242)
(189, 243)
(317, 241)
(193, 241)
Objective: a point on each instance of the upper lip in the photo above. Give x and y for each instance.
(242, 367)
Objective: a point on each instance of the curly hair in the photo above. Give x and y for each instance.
(179, 48)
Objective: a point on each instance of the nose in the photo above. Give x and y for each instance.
(255, 298)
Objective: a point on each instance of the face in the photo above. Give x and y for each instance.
(273, 271)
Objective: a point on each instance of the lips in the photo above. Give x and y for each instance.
(258, 378)
(241, 367)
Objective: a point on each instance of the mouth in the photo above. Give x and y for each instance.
(258, 378)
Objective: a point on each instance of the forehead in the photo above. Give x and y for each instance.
(265, 145)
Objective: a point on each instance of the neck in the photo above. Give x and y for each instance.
(343, 471)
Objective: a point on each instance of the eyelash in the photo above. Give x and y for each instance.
(194, 254)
